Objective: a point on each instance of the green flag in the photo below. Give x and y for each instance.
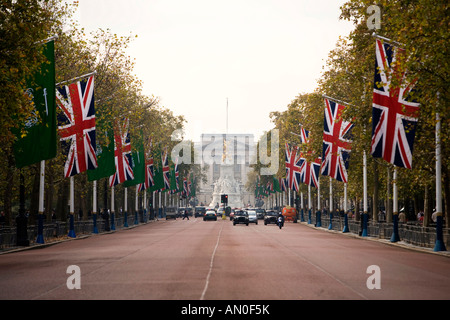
(158, 179)
(173, 181)
(276, 185)
(40, 141)
(105, 162)
(257, 187)
(138, 168)
(193, 186)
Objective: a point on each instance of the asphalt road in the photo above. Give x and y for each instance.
(197, 260)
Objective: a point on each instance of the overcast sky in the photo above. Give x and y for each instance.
(194, 54)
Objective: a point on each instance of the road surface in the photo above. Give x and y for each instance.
(214, 260)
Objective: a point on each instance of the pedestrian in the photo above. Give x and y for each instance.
(420, 216)
(2, 219)
(402, 216)
(434, 216)
(185, 215)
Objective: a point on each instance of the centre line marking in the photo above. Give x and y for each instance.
(211, 265)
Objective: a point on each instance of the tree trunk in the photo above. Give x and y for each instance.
(7, 196)
(357, 215)
(34, 203)
(63, 197)
(427, 205)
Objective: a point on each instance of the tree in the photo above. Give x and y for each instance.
(421, 29)
(117, 93)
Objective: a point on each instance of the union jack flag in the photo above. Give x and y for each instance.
(336, 142)
(269, 187)
(77, 126)
(185, 187)
(149, 173)
(122, 155)
(282, 182)
(166, 169)
(177, 175)
(310, 172)
(394, 116)
(292, 167)
(304, 134)
(189, 187)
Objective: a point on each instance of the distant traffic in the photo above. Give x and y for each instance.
(236, 215)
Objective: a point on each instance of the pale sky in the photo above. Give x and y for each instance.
(194, 54)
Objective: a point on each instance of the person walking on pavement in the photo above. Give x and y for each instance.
(185, 215)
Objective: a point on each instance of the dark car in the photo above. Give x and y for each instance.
(200, 211)
(260, 213)
(210, 215)
(240, 217)
(270, 217)
(171, 213)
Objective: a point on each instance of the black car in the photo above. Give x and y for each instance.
(200, 211)
(210, 215)
(270, 217)
(171, 213)
(240, 217)
(260, 213)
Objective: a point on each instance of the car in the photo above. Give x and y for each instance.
(260, 213)
(210, 215)
(220, 211)
(240, 217)
(171, 213)
(252, 217)
(200, 211)
(270, 217)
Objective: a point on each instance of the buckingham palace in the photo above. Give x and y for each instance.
(238, 150)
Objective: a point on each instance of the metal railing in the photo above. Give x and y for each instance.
(411, 233)
(57, 230)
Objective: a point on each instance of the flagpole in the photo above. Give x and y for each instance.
(395, 237)
(227, 118)
(71, 213)
(439, 244)
(40, 236)
(153, 203)
(364, 215)
(54, 37)
(309, 204)
(165, 203)
(136, 207)
(145, 204)
(159, 204)
(105, 214)
(289, 195)
(336, 100)
(94, 206)
(113, 225)
(76, 79)
(387, 39)
(345, 210)
(318, 213)
(302, 217)
(330, 226)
